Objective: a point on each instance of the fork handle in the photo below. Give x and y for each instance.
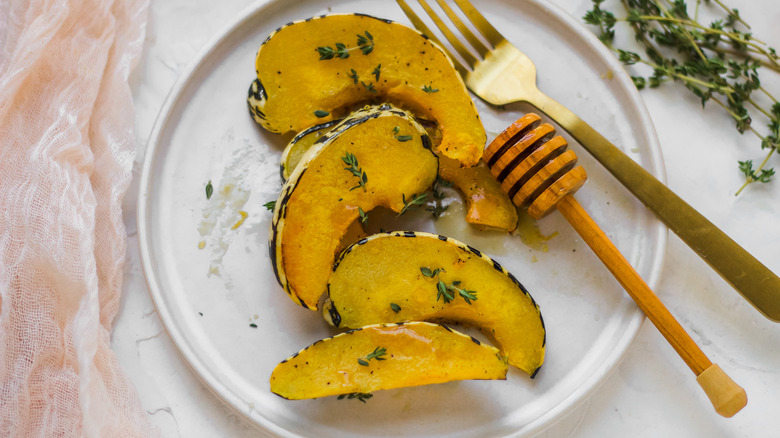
(754, 281)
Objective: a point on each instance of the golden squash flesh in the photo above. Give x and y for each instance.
(371, 60)
(382, 279)
(298, 146)
(384, 357)
(323, 197)
(487, 204)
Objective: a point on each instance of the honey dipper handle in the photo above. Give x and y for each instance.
(722, 391)
(754, 281)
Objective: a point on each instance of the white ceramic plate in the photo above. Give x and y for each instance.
(207, 298)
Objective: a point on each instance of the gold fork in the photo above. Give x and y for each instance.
(503, 74)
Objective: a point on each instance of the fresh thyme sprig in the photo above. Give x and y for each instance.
(719, 63)
(365, 43)
(429, 89)
(376, 354)
(447, 292)
(377, 71)
(369, 87)
(416, 201)
(355, 169)
(270, 205)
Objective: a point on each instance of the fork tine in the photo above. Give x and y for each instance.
(472, 39)
(420, 26)
(484, 26)
(459, 47)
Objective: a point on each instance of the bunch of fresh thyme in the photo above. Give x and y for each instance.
(718, 63)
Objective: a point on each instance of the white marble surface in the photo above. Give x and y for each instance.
(651, 394)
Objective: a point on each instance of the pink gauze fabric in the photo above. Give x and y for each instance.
(66, 154)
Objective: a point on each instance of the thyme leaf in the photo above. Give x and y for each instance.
(438, 208)
(429, 89)
(443, 292)
(369, 87)
(426, 271)
(270, 205)
(376, 354)
(396, 308)
(355, 169)
(353, 75)
(443, 182)
(377, 71)
(416, 201)
(209, 190)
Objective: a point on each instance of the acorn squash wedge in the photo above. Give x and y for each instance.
(391, 162)
(487, 205)
(385, 356)
(399, 276)
(315, 70)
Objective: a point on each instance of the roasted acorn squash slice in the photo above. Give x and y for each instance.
(487, 204)
(301, 84)
(384, 357)
(323, 196)
(394, 277)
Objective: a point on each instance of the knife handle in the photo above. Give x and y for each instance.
(754, 281)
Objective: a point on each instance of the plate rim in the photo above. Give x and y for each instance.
(222, 392)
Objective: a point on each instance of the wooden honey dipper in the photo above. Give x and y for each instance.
(535, 169)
